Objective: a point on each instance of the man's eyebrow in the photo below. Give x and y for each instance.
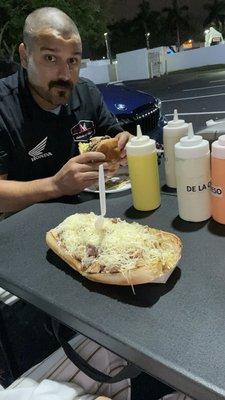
(55, 50)
(48, 49)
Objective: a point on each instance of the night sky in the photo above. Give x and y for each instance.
(128, 8)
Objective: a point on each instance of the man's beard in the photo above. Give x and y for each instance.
(60, 97)
(58, 93)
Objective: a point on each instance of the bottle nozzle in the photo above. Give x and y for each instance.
(139, 131)
(175, 115)
(190, 131)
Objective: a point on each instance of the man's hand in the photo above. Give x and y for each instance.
(123, 138)
(78, 173)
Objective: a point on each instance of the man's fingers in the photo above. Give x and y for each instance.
(90, 157)
(123, 154)
(111, 166)
(90, 176)
(123, 138)
(123, 162)
(89, 167)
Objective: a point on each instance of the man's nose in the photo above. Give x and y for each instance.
(64, 72)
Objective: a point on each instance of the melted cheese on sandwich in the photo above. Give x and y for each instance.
(118, 247)
(83, 147)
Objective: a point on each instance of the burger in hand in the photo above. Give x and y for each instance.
(105, 145)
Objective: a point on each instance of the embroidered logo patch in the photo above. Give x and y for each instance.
(38, 151)
(83, 131)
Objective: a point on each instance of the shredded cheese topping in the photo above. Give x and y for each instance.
(118, 247)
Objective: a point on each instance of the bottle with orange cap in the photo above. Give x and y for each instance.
(218, 180)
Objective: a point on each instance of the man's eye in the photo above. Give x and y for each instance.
(73, 61)
(50, 58)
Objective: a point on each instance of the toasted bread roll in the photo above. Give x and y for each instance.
(109, 147)
(112, 258)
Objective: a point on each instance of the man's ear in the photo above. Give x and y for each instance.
(23, 55)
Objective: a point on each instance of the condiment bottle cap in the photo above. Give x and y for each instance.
(191, 146)
(218, 147)
(141, 144)
(175, 122)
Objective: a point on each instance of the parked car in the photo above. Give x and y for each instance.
(133, 107)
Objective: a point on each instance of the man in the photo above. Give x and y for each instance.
(45, 110)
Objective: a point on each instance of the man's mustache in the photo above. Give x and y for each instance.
(64, 84)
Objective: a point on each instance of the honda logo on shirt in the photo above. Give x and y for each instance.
(83, 131)
(38, 151)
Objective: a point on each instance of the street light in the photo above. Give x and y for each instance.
(108, 49)
(147, 36)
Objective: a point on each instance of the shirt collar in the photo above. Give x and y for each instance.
(74, 102)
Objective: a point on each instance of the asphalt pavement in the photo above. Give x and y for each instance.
(198, 95)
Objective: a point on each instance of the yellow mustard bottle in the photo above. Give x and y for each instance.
(144, 173)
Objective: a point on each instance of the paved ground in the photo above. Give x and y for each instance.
(198, 95)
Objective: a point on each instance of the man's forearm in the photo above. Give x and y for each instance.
(15, 196)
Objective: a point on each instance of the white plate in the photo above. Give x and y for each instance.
(116, 180)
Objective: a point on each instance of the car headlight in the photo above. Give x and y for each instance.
(159, 103)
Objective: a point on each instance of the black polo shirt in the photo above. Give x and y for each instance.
(35, 143)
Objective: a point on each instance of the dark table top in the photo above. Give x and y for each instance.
(174, 331)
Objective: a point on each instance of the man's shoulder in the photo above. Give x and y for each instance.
(8, 85)
(9, 100)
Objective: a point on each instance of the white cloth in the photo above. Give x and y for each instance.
(46, 390)
(176, 396)
(59, 369)
(49, 390)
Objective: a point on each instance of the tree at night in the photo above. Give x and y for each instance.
(216, 14)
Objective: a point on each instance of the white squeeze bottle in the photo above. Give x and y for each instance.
(192, 167)
(143, 172)
(172, 132)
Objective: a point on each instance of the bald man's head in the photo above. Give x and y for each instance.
(51, 54)
(46, 19)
